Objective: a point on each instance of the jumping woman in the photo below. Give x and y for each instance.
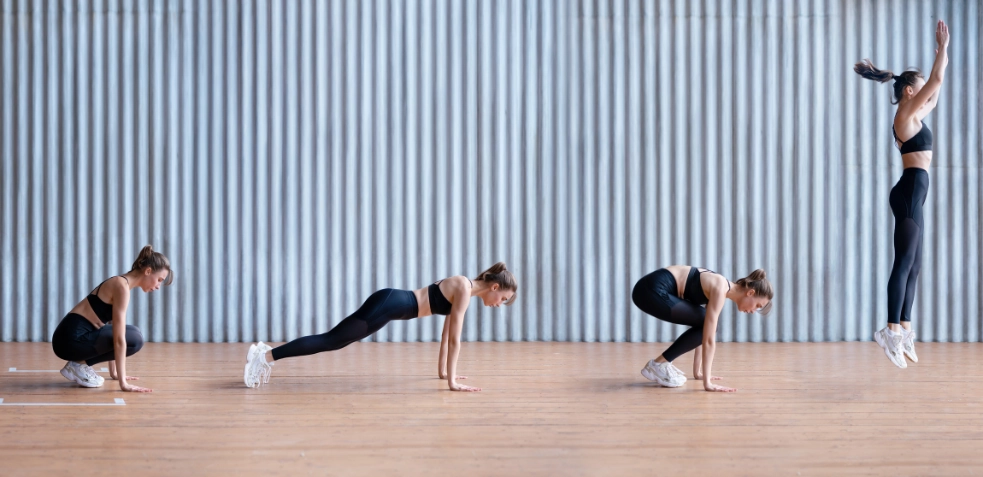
(95, 331)
(677, 294)
(915, 98)
(451, 296)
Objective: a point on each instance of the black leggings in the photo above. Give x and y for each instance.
(380, 308)
(655, 294)
(907, 198)
(76, 339)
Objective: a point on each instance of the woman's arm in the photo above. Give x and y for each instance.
(698, 365)
(716, 304)
(698, 362)
(112, 372)
(121, 299)
(462, 298)
(928, 107)
(442, 357)
(453, 351)
(926, 99)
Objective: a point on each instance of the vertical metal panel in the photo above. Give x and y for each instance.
(292, 157)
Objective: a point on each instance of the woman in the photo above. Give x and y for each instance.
(495, 286)
(95, 330)
(677, 294)
(915, 98)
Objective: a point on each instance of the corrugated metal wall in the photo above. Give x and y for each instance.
(293, 156)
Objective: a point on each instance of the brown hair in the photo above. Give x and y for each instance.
(499, 274)
(155, 260)
(758, 282)
(867, 69)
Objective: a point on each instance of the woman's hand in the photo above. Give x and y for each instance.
(463, 388)
(942, 35)
(114, 376)
(714, 388)
(134, 389)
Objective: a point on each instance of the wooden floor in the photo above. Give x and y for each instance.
(546, 409)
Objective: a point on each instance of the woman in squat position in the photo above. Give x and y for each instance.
(677, 294)
(95, 331)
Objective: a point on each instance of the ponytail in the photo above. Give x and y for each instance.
(156, 261)
(498, 273)
(867, 69)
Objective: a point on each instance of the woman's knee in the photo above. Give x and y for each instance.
(134, 340)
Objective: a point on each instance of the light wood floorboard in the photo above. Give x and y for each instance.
(566, 409)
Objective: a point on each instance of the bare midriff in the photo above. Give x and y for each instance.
(920, 160)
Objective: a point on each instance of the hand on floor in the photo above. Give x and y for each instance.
(718, 389)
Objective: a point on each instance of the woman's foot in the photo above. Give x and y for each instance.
(663, 373)
(92, 370)
(257, 371)
(908, 345)
(891, 342)
(677, 371)
(82, 374)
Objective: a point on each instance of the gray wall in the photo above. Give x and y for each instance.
(292, 157)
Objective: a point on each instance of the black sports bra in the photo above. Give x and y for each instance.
(439, 304)
(693, 292)
(103, 310)
(922, 141)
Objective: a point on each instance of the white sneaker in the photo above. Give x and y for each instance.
(663, 373)
(677, 371)
(91, 373)
(891, 342)
(908, 345)
(257, 371)
(68, 371)
(76, 372)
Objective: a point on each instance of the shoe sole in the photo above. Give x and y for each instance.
(651, 376)
(913, 358)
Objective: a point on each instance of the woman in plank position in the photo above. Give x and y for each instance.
(450, 296)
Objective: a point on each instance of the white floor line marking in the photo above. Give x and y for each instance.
(15, 370)
(116, 402)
